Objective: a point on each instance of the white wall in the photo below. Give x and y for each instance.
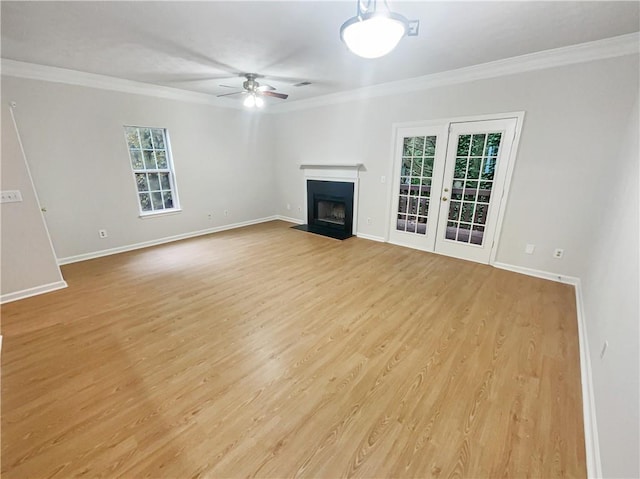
(27, 258)
(572, 123)
(610, 288)
(74, 141)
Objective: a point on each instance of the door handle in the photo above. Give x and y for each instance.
(444, 198)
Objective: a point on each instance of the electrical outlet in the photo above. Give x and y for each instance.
(604, 349)
(530, 248)
(558, 253)
(369, 221)
(226, 212)
(288, 206)
(103, 234)
(383, 179)
(10, 196)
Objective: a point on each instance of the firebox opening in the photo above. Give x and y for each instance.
(331, 212)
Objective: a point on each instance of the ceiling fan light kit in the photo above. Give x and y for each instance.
(372, 33)
(255, 91)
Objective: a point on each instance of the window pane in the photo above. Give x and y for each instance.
(157, 201)
(145, 138)
(454, 210)
(416, 167)
(473, 170)
(161, 158)
(428, 167)
(168, 199)
(136, 159)
(493, 143)
(476, 234)
(145, 201)
(430, 146)
(480, 216)
(158, 139)
(402, 223)
(407, 149)
(463, 145)
(470, 194)
(460, 168)
(488, 168)
(402, 204)
(154, 182)
(164, 181)
(464, 231)
(477, 145)
(452, 227)
(467, 212)
(141, 181)
(418, 146)
(149, 160)
(424, 206)
(411, 224)
(406, 167)
(132, 137)
(413, 205)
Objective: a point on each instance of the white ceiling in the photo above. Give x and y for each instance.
(199, 45)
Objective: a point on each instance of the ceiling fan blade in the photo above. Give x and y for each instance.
(282, 96)
(233, 93)
(265, 88)
(229, 86)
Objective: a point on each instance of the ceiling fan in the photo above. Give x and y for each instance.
(255, 91)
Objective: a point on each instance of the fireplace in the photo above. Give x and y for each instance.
(329, 208)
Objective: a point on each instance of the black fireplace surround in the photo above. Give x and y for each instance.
(329, 209)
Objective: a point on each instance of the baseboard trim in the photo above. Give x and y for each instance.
(27, 293)
(288, 219)
(591, 441)
(537, 273)
(168, 239)
(379, 239)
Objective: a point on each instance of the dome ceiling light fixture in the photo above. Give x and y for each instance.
(373, 33)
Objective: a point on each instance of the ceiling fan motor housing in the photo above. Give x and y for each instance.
(251, 84)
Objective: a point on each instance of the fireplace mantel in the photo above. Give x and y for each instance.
(332, 170)
(355, 166)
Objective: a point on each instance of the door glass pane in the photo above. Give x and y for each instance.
(416, 172)
(452, 228)
(471, 187)
(402, 222)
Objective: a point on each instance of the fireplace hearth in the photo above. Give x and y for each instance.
(329, 209)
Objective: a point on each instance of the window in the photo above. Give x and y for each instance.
(152, 169)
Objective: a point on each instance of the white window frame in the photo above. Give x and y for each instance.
(169, 170)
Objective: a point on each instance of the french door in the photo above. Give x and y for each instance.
(448, 186)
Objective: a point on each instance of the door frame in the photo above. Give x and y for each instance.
(446, 123)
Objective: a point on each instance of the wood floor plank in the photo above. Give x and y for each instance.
(269, 352)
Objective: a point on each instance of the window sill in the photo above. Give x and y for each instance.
(155, 214)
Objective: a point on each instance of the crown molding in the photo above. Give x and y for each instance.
(584, 52)
(622, 45)
(34, 71)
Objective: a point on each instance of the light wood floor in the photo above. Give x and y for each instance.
(269, 352)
